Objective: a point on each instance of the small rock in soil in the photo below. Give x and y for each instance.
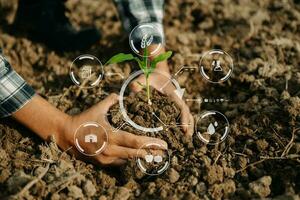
(75, 192)
(89, 188)
(122, 194)
(261, 187)
(173, 175)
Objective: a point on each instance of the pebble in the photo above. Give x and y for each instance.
(173, 175)
(229, 187)
(262, 144)
(201, 188)
(75, 192)
(183, 39)
(4, 175)
(55, 196)
(261, 187)
(193, 180)
(122, 194)
(89, 188)
(102, 197)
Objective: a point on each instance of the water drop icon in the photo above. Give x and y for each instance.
(211, 129)
(216, 123)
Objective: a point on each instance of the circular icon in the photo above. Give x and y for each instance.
(216, 66)
(90, 138)
(86, 71)
(178, 91)
(155, 161)
(212, 127)
(146, 39)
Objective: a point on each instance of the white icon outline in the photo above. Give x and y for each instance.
(216, 51)
(78, 82)
(225, 134)
(151, 38)
(151, 158)
(121, 100)
(80, 148)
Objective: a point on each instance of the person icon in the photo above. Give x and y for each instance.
(216, 66)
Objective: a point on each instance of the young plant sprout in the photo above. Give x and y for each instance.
(144, 63)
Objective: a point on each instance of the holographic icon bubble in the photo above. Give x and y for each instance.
(212, 127)
(146, 36)
(155, 161)
(90, 138)
(216, 66)
(86, 71)
(168, 82)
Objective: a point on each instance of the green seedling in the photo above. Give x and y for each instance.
(144, 63)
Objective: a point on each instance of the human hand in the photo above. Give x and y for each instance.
(160, 80)
(121, 145)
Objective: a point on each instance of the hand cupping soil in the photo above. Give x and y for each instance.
(187, 158)
(139, 111)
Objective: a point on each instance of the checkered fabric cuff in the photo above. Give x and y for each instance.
(135, 12)
(14, 91)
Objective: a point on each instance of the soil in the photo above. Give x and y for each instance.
(161, 113)
(260, 157)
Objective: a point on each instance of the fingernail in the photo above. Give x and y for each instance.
(163, 144)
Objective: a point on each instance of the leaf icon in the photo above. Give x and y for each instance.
(211, 129)
(146, 41)
(150, 40)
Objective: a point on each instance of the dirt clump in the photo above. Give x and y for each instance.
(261, 187)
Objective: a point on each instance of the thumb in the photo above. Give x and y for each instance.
(135, 87)
(138, 84)
(108, 102)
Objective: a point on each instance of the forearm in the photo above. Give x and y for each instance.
(42, 118)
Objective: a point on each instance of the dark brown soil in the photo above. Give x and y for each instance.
(140, 112)
(260, 157)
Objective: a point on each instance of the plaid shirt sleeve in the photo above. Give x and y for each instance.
(134, 12)
(14, 91)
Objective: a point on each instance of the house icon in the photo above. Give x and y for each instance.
(86, 72)
(90, 138)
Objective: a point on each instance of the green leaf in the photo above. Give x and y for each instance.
(141, 63)
(121, 57)
(159, 58)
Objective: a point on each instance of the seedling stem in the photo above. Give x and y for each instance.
(145, 64)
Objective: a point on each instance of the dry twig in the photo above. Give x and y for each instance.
(250, 165)
(32, 183)
(264, 158)
(290, 144)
